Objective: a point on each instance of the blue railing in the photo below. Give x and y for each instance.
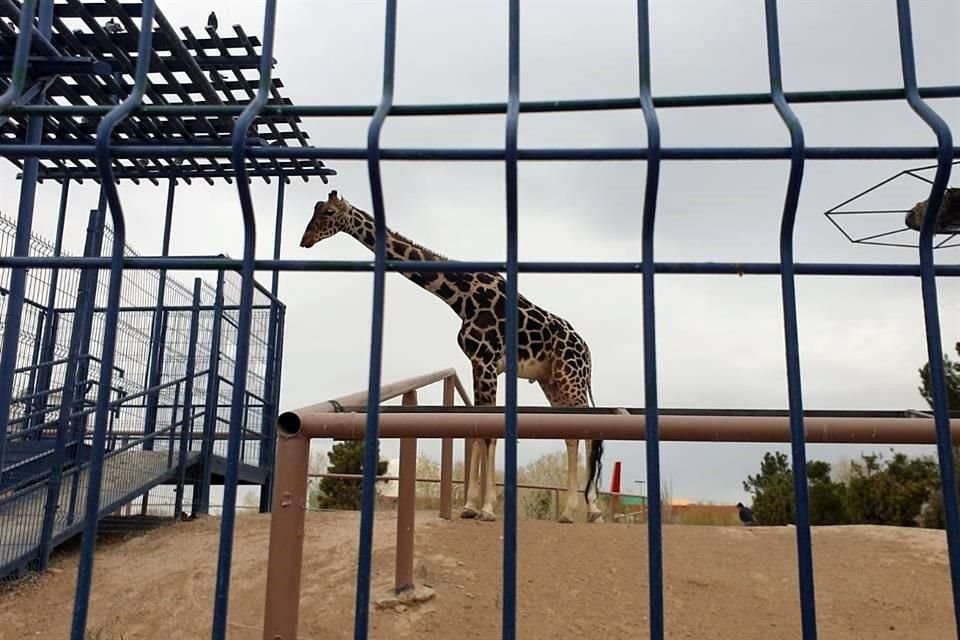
(244, 157)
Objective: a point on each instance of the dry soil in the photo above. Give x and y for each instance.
(575, 581)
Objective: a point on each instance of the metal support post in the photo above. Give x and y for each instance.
(158, 328)
(270, 385)
(201, 497)
(21, 246)
(49, 339)
(406, 506)
(446, 458)
(85, 302)
(285, 554)
(78, 425)
(186, 426)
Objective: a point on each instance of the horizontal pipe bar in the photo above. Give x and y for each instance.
(768, 429)
(387, 392)
(541, 487)
(69, 151)
(453, 266)
(494, 108)
(664, 411)
(171, 308)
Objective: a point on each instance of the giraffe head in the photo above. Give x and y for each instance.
(330, 217)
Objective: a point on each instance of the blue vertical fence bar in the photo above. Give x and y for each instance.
(509, 621)
(928, 288)
(105, 168)
(790, 330)
(244, 318)
(28, 189)
(652, 445)
(371, 433)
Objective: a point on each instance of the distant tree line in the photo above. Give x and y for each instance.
(899, 490)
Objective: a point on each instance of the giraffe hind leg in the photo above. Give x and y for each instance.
(481, 492)
(558, 398)
(594, 514)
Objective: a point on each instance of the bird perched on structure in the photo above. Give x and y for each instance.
(746, 515)
(212, 20)
(112, 26)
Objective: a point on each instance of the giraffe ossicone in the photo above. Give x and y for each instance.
(551, 353)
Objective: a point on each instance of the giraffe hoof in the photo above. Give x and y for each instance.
(486, 516)
(595, 517)
(565, 519)
(469, 512)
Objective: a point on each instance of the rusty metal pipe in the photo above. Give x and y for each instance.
(286, 421)
(676, 428)
(285, 555)
(446, 459)
(406, 506)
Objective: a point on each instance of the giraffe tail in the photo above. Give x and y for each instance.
(595, 461)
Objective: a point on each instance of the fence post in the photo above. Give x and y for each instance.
(28, 190)
(271, 370)
(614, 495)
(155, 376)
(285, 553)
(186, 426)
(467, 446)
(158, 329)
(49, 338)
(406, 505)
(172, 438)
(201, 497)
(86, 298)
(446, 459)
(78, 426)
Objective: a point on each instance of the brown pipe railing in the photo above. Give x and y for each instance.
(285, 554)
(327, 420)
(676, 428)
(614, 497)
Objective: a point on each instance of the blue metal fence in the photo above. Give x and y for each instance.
(244, 157)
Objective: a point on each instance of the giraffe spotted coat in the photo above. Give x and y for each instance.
(550, 352)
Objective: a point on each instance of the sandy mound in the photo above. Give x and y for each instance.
(575, 581)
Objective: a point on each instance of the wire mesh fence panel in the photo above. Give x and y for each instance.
(119, 358)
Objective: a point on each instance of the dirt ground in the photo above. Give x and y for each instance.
(575, 581)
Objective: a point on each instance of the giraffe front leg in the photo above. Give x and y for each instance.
(570, 510)
(594, 514)
(471, 506)
(489, 481)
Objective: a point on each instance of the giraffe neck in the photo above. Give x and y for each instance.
(449, 287)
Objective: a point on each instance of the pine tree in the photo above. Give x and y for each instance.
(336, 493)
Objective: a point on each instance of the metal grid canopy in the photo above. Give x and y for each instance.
(90, 59)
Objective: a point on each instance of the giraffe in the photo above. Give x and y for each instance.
(551, 353)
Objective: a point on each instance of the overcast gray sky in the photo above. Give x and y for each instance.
(719, 337)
